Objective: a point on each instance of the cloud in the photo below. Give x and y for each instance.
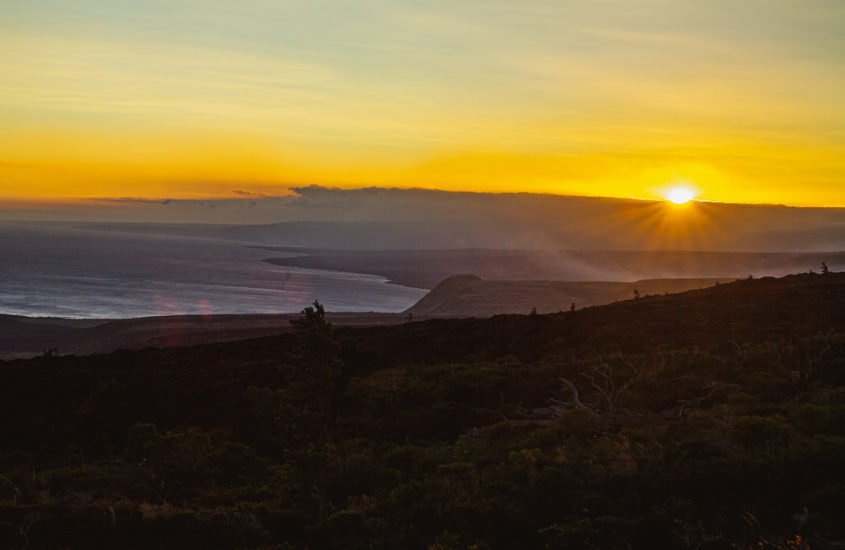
(242, 193)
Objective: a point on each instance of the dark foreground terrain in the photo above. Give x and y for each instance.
(460, 296)
(710, 419)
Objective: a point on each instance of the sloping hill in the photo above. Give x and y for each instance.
(746, 312)
(471, 296)
(712, 418)
(22, 337)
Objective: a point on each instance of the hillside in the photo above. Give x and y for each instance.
(470, 296)
(713, 418)
(427, 268)
(23, 337)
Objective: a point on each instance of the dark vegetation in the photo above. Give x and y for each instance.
(25, 337)
(709, 419)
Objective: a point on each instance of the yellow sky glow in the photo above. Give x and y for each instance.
(205, 100)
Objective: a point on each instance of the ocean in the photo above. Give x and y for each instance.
(61, 270)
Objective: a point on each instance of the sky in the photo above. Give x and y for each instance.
(741, 101)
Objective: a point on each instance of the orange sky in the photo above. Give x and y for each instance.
(741, 101)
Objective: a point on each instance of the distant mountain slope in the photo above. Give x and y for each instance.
(471, 296)
(427, 268)
(375, 219)
(381, 219)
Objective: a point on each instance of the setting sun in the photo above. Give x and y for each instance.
(680, 195)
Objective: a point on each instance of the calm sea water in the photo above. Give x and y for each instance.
(80, 273)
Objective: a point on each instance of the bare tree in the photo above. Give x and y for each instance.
(814, 360)
(559, 405)
(602, 379)
(23, 528)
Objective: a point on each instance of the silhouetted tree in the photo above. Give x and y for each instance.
(825, 269)
(636, 294)
(316, 366)
(298, 413)
(317, 352)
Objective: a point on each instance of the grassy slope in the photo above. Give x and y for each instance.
(441, 433)
(470, 296)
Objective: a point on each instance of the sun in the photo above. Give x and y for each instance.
(680, 195)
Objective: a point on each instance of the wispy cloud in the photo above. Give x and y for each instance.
(196, 99)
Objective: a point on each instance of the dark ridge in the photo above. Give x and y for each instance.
(471, 296)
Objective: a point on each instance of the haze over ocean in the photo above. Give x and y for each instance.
(64, 271)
